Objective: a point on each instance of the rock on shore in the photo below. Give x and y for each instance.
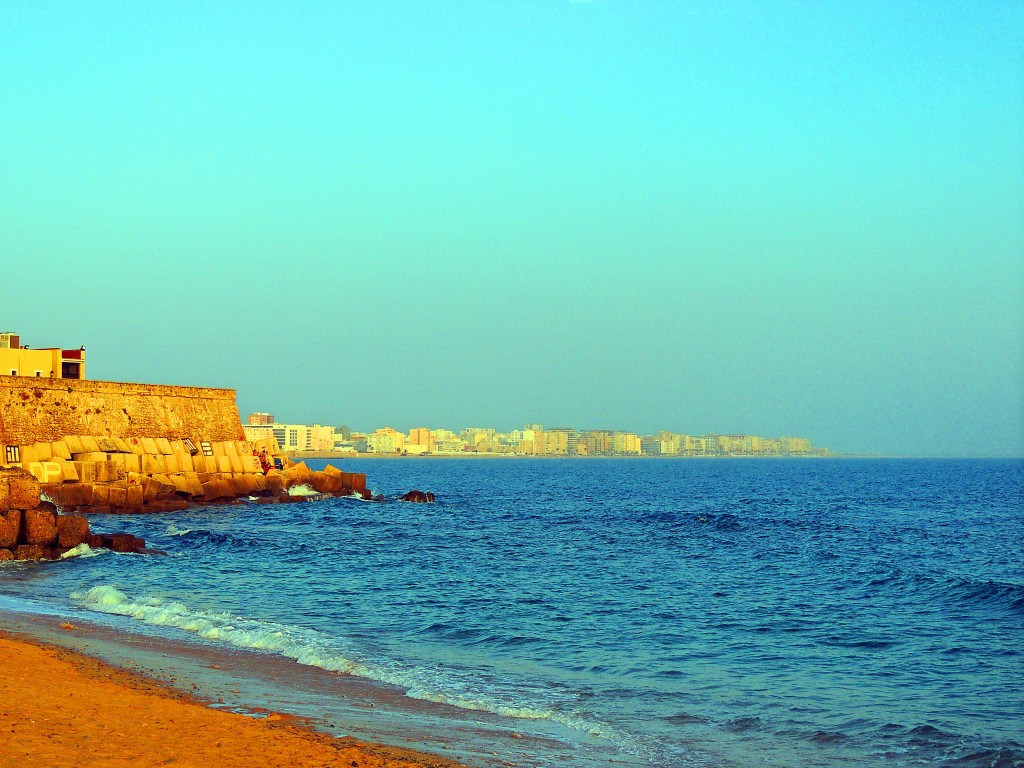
(33, 529)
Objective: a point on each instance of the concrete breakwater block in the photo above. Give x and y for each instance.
(60, 450)
(39, 526)
(71, 530)
(91, 473)
(35, 530)
(325, 483)
(10, 527)
(107, 444)
(18, 490)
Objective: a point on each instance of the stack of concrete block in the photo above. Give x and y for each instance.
(99, 474)
(31, 529)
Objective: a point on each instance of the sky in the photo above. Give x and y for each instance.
(792, 218)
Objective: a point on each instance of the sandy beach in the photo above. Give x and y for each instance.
(60, 708)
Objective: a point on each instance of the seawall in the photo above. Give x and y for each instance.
(34, 410)
(101, 446)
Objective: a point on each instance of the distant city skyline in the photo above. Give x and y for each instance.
(531, 440)
(744, 217)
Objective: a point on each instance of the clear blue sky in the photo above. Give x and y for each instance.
(775, 218)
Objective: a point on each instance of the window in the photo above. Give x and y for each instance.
(14, 373)
(39, 374)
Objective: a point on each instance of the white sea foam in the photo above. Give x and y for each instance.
(173, 530)
(305, 646)
(301, 490)
(480, 705)
(82, 550)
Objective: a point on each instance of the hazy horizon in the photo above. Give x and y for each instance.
(787, 219)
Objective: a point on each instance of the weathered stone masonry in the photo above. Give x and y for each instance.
(100, 447)
(46, 410)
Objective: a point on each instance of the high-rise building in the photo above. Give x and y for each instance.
(595, 442)
(261, 418)
(626, 444)
(422, 436)
(559, 441)
(798, 446)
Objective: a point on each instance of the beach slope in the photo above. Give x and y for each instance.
(59, 708)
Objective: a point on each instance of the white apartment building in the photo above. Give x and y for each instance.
(293, 437)
(386, 440)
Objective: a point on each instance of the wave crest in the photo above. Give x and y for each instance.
(303, 645)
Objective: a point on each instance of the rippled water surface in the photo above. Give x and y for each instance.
(657, 612)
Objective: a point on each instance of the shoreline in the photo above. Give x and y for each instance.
(252, 685)
(63, 706)
(303, 455)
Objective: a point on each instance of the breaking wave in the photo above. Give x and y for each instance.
(305, 646)
(82, 550)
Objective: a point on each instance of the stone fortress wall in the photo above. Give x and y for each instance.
(100, 447)
(34, 410)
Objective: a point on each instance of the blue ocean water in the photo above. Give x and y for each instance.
(651, 612)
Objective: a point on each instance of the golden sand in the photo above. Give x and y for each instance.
(59, 708)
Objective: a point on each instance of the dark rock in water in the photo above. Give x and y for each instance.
(742, 724)
(417, 497)
(123, 542)
(685, 718)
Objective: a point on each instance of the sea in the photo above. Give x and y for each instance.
(587, 612)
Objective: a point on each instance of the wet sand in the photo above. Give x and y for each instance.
(60, 708)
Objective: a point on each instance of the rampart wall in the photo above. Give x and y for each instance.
(34, 410)
(99, 447)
